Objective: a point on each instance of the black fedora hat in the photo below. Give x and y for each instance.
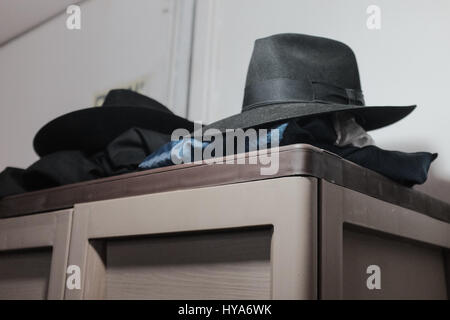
(295, 76)
(91, 129)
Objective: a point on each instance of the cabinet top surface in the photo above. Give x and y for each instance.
(294, 160)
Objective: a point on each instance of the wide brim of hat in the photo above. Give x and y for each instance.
(92, 129)
(369, 117)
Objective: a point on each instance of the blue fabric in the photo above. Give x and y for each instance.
(405, 168)
(185, 149)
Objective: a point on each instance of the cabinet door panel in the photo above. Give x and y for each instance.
(33, 255)
(217, 265)
(407, 270)
(25, 274)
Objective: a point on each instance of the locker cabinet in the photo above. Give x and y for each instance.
(321, 228)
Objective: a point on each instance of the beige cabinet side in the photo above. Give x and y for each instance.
(364, 238)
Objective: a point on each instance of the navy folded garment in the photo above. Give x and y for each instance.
(405, 168)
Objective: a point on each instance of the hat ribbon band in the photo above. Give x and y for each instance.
(288, 90)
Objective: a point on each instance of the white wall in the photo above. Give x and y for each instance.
(19, 16)
(52, 70)
(406, 62)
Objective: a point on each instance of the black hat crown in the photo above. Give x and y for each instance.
(301, 68)
(125, 97)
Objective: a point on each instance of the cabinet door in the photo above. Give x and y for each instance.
(249, 240)
(33, 255)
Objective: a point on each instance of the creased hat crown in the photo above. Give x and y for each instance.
(297, 67)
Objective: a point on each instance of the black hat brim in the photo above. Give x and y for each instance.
(90, 130)
(369, 117)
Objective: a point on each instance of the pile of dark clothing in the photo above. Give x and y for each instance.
(122, 155)
(322, 132)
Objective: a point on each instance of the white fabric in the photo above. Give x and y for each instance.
(349, 132)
